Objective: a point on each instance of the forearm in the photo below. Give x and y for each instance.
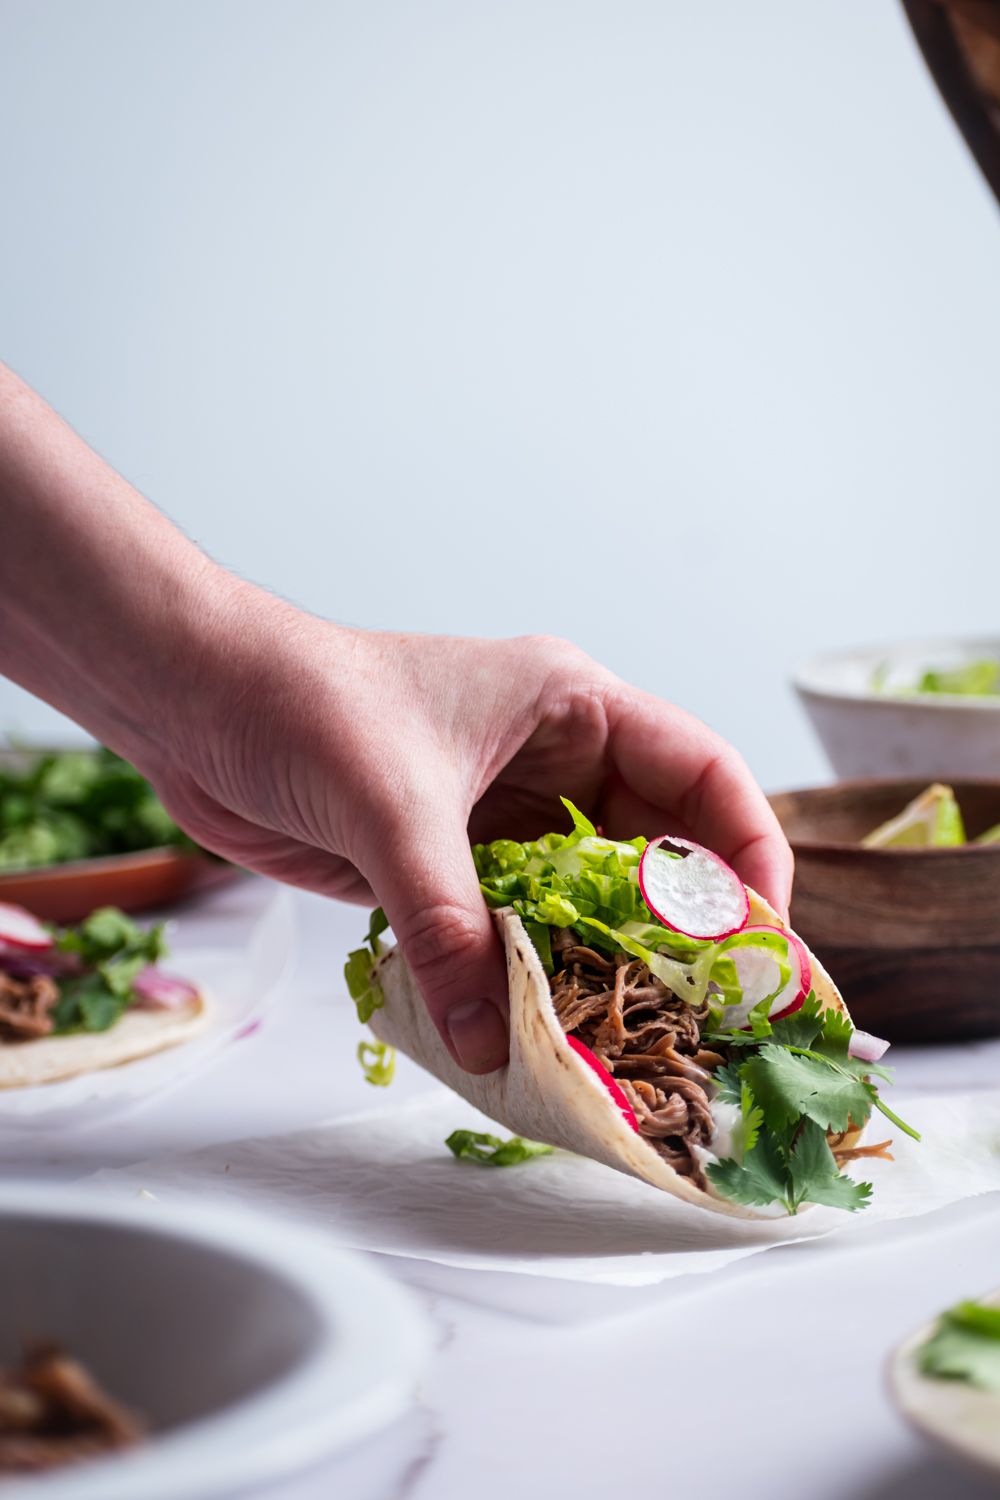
(103, 602)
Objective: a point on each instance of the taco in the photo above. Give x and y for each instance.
(76, 999)
(663, 1020)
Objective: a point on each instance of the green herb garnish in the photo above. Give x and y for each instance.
(113, 950)
(76, 804)
(965, 1345)
(491, 1151)
(378, 1063)
(796, 1081)
(362, 986)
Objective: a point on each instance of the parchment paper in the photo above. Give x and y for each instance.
(385, 1182)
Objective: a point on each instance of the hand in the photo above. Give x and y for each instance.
(359, 764)
(352, 763)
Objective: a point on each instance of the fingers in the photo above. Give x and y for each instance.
(672, 767)
(423, 873)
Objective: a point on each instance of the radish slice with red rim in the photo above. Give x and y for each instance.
(158, 991)
(618, 1098)
(692, 890)
(19, 929)
(759, 972)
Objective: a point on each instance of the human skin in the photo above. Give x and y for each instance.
(350, 762)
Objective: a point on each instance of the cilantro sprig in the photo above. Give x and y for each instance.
(112, 950)
(794, 1081)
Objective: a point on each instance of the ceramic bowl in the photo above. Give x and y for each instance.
(866, 732)
(251, 1346)
(910, 936)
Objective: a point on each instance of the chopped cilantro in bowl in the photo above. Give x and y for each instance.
(66, 805)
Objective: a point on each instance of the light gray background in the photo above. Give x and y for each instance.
(669, 327)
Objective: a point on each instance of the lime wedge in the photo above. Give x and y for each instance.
(991, 836)
(931, 821)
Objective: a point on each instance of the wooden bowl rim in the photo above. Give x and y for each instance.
(884, 783)
(155, 855)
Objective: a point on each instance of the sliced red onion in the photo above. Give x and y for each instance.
(20, 930)
(19, 963)
(759, 972)
(692, 890)
(618, 1098)
(159, 991)
(866, 1048)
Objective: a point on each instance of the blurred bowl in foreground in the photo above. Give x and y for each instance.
(889, 731)
(250, 1347)
(910, 936)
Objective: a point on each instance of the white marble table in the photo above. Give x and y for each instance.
(762, 1381)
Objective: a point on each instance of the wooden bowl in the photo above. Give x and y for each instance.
(910, 936)
(135, 882)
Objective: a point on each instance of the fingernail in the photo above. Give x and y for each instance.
(478, 1034)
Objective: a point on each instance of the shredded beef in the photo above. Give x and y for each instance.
(25, 1007)
(647, 1038)
(843, 1153)
(53, 1412)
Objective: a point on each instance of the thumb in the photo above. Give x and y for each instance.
(427, 883)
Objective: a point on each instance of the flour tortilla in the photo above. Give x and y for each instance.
(139, 1033)
(546, 1092)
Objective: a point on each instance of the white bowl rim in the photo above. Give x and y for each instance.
(372, 1343)
(811, 679)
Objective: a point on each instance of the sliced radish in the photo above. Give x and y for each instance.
(866, 1048)
(158, 991)
(692, 890)
(19, 929)
(621, 1103)
(759, 974)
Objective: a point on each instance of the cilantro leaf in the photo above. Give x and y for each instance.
(788, 1085)
(491, 1151)
(113, 950)
(762, 1178)
(753, 1118)
(965, 1345)
(728, 1083)
(804, 1025)
(815, 1176)
(87, 1004)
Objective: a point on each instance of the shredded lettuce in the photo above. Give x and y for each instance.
(378, 1062)
(491, 1151)
(362, 986)
(591, 884)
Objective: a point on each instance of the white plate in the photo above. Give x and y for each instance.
(956, 1417)
(257, 923)
(252, 1347)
